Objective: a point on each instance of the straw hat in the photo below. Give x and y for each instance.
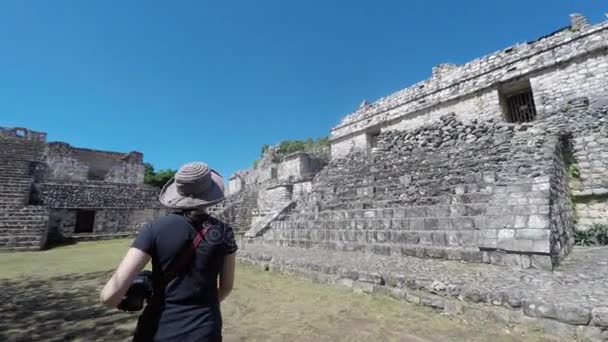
(195, 185)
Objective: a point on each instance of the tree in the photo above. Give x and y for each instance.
(158, 179)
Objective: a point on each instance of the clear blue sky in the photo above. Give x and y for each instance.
(214, 80)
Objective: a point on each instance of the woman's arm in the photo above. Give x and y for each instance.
(116, 288)
(227, 276)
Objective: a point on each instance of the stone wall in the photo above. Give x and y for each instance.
(62, 222)
(94, 195)
(301, 190)
(24, 133)
(570, 63)
(274, 196)
(239, 209)
(236, 182)
(584, 76)
(298, 166)
(77, 164)
(589, 171)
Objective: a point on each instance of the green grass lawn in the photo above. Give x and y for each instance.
(52, 296)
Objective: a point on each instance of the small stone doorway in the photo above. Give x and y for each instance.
(85, 220)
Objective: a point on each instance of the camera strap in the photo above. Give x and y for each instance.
(184, 256)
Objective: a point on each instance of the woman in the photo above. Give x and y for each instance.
(187, 308)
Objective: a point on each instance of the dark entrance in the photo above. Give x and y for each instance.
(521, 107)
(517, 102)
(85, 219)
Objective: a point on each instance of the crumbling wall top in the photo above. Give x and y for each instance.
(20, 132)
(569, 42)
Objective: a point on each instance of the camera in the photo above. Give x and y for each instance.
(139, 292)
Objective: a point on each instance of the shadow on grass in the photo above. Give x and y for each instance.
(60, 309)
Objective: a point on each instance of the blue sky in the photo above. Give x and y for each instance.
(214, 80)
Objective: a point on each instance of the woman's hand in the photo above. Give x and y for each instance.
(116, 288)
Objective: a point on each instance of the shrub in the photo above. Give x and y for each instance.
(595, 235)
(574, 171)
(159, 178)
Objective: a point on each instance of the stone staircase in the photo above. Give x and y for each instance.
(22, 226)
(458, 195)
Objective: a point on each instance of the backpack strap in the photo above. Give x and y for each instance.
(183, 257)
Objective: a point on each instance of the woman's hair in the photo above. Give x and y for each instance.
(195, 216)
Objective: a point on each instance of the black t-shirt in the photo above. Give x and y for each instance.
(190, 310)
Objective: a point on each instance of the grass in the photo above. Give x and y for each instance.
(51, 295)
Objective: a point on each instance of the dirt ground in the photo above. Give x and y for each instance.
(56, 304)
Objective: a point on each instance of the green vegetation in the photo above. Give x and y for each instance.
(594, 235)
(291, 146)
(158, 179)
(287, 147)
(574, 171)
(52, 295)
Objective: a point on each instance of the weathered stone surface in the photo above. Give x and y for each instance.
(540, 294)
(600, 316)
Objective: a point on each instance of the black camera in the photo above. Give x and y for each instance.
(139, 292)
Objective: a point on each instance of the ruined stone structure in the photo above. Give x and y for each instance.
(493, 163)
(54, 191)
(257, 196)
(471, 164)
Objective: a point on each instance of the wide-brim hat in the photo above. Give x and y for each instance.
(195, 185)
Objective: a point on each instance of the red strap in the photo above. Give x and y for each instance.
(184, 256)
(200, 235)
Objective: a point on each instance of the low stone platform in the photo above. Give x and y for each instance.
(573, 299)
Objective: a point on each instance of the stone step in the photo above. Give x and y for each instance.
(16, 239)
(469, 254)
(442, 238)
(5, 216)
(6, 249)
(101, 236)
(13, 201)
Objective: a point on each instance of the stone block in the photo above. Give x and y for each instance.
(439, 238)
(405, 180)
(538, 221)
(516, 245)
(431, 224)
(573, 314)
(505, 259)
(541, 186)
(471, 256)
(345, 282)
(542, 262)
(370, 214)
(463, 223)
(520, 222)
(457, 210)
(533, 234)
(438, 211)
(451, 307)
(541, 247)
(415, 212)
(506, 234)
(411, 298)
(454, 254)
(426, 238)
(435, 252)
(416, 224)
(506, 221)
(600, 316)
(590, 334)
(539, 309)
